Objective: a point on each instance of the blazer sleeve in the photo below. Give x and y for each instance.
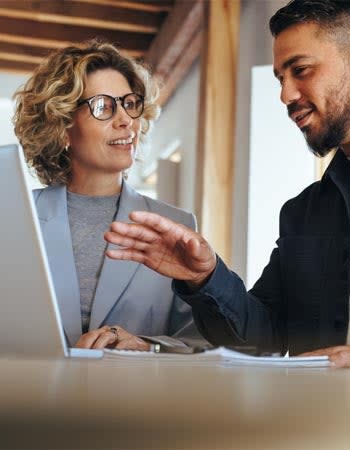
(227, 314)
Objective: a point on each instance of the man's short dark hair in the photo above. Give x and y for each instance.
(329, 14)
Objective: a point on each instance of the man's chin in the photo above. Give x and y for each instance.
(317, 146)
(318, 149)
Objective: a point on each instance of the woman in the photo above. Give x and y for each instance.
(80, 118)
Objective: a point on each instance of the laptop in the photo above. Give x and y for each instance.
(30, 321)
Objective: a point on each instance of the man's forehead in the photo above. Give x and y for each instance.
(296, 38)
(297, 42)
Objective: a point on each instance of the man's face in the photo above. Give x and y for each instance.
(315, 86)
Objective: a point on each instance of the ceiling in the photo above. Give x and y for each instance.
(166, 34)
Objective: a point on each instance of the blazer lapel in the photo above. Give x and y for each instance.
(116, 275)
(51, 205)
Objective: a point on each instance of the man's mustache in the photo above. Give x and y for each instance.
(295, 107)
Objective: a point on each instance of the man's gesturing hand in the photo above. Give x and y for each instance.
(169, 248)
(339, 356)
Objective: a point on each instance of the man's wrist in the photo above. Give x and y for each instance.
(195, 285)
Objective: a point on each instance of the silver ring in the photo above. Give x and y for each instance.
(114, 330)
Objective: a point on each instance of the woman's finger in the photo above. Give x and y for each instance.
(133, 343)
(87, 340)
(107, 338)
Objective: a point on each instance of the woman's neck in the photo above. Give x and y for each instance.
(96, 185)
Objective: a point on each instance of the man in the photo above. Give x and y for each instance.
(301, 301)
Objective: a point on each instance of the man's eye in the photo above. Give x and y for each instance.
(299, 70)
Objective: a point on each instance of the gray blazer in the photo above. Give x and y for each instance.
(128, 293)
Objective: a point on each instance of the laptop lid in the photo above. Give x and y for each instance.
(30, 323)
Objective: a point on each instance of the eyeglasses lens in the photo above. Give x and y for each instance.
(103, 107)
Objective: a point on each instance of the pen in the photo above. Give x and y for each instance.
(161, 348)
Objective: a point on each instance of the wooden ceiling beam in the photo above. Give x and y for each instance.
(16, 67)
(18, 57)
(45, 45)
(21, 49)
(18, 62)
(28, 28)
(177, 44)
(32, 41)
(79, 14)
(149, 6)
(181, 68)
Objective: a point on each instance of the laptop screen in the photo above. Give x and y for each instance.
(30, 323)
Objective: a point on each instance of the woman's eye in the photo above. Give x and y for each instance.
(129, 105)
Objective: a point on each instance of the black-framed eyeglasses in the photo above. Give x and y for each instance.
(103, 106)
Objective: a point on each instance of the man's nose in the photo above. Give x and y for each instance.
(290, 92)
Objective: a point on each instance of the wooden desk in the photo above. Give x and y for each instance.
(80, 404)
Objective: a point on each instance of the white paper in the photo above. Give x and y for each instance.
(224, 356)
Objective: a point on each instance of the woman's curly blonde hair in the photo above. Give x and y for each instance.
(46, 103)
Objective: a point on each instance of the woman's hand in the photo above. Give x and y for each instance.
(114, 337)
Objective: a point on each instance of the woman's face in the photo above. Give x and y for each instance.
(106, 146)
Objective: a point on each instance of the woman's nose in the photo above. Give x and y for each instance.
(121, 117)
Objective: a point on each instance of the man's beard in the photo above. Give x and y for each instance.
(334, 130)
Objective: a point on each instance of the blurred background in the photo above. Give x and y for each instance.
(223, 147)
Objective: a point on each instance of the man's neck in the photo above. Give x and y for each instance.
(346, 149)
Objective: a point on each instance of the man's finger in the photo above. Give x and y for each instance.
(154, 221)
(134, 231)
(124, 241)
(341, 358)
(327, 351)
(199, 249)
(127, 254)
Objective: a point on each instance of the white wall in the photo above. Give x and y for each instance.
(9, 82)
(280, 167)
(7, 135)
(255, 45)
(177, 128)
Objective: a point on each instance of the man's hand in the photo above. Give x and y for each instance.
(112, 337)
(169, 248)
(339, 356)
